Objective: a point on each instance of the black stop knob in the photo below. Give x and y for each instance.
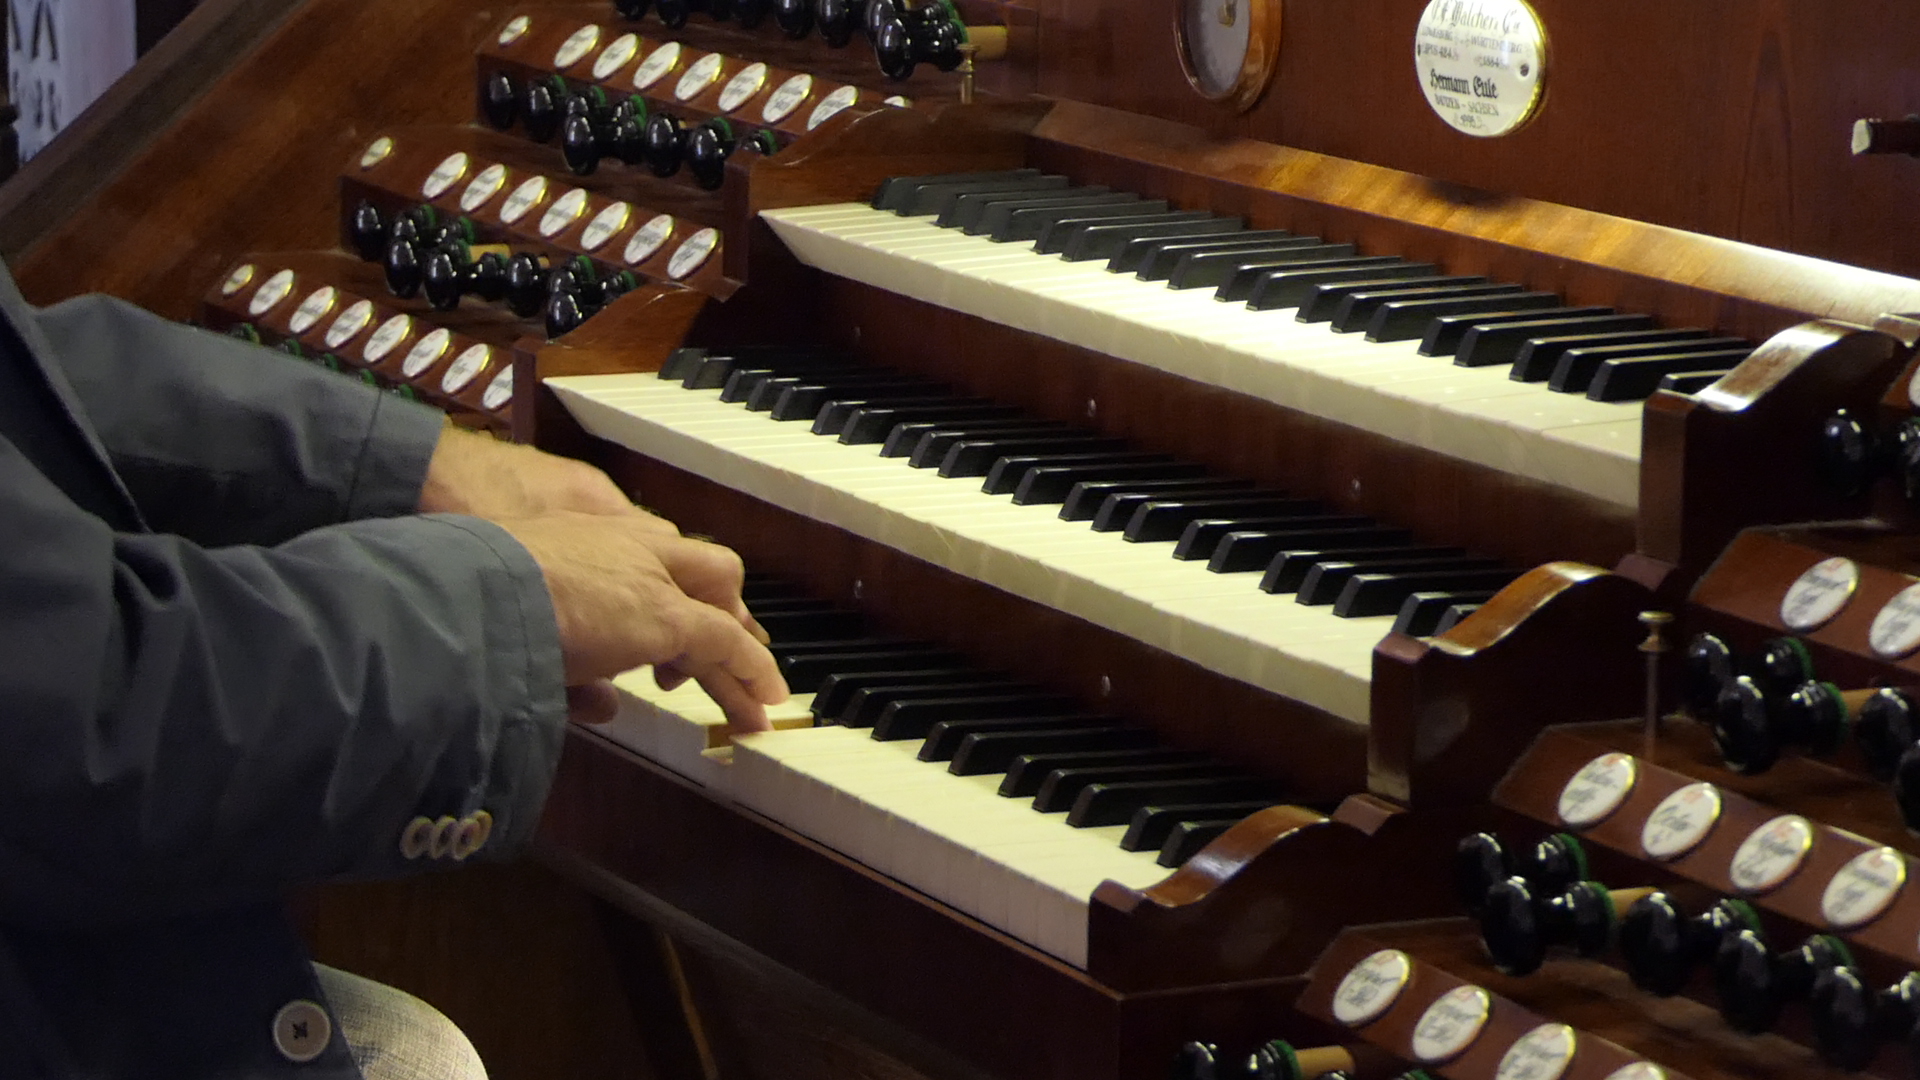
(1843, 1018)
(441, 279)
(674, 12)
(1708, 668)
(578, 145)
(500, 100)
(664, 144)
(1783, 664)
(1518, 925)
(937, 36)
(793, 17)
(632, 9)
(1906, 787)
(1662, 946)
(838, 19)
(1483, 860)
(893, 47)
(1849, 456)
(526, 286)
(1753, 985)
(1745, 729)
(368, 229)
(403, 268)
(1815, 717)
(565, 313)
(1197, 1061)
(1885, 730)
(541, 109)
(1906, 456)
(878, 12)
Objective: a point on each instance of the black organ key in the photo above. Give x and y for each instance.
(803, 399)
(1215, 269)
(743, 380)
(1114, 803)
(1137, 255)
(1454, 617)
(1066, 231)
(1636, 379)
(1247, 280)
(1538, 356)
(756, 587)
(1420, 613)
(981, 215)
(1167, 520)
(905, 436)
(1444, 334)
(1577, 367)
(1348, 304)
(1008, 473)
(1062, 786)
(1320, 579)
(1034, 224)
(1104, 241)
(913, 719)
(816, 625)
(982, 753)
(1152, 824)
(1256, 549)
(1087, 498)
(767, 391)
(1409, 320)
(1189, 838)
(946, 738)
(837, 688)
(931, 449)
(896, 192)
(965, 211)
(1689, 382)
(679, 363)
(1294, 286)
(1118, 508)
(1051, 483)
(1030, 771)
(1382, 592)
(1203, 536)
(933, 198)
(867, 704)
(872, 423)
(975, 457)
(1164, 257)
(830, 415)
(806, 667)
(1495, 343)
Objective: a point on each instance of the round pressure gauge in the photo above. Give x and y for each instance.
(1228, 48)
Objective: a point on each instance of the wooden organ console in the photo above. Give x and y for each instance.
(1048, 434)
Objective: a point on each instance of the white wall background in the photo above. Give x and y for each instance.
(60, 55)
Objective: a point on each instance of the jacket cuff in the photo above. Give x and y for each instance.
(392, 461)
(524, 657)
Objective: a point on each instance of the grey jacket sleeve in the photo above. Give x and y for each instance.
(224, 442)
(189, 728)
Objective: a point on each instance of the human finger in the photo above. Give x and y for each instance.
(710, 573)
(736, 671)
(668, 678)
(596, 702)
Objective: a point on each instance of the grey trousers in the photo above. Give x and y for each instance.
(396, 1036)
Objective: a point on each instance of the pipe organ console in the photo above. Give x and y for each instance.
(1206, 481)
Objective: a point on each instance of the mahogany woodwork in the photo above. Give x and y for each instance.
(1743, 452)
(1715, 117)
(1450, 713)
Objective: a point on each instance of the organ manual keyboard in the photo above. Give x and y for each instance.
(1183, 516)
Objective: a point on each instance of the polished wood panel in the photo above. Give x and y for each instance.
(1717, 116)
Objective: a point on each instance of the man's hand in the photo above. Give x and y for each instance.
(483, 477)
(626, 594)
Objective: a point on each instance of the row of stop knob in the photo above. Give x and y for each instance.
(904, 35)
(424, 251)
(1536, 900)
(592, 129)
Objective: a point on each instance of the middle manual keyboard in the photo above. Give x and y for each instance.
(1278, 591)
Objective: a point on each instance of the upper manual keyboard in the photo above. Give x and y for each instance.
(1535, 387)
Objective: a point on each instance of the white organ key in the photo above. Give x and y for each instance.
(1475, 415)
(1221, 621)
(677, 727)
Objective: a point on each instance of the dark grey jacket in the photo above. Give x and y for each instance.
(229, 665)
